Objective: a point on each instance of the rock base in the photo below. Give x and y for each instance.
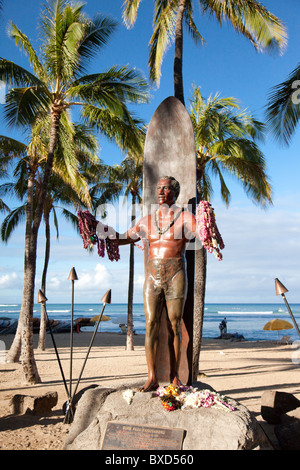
(205, 428)
(40, 405)
(282, 410)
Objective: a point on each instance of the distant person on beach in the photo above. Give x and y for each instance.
(223, 327)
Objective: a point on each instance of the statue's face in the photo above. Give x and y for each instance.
(165, 193)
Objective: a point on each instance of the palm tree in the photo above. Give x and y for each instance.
(126, 178)
(58, 192)
(283, 109)
(248, 17)
(67, 184)
(59, 81)
(225, 144)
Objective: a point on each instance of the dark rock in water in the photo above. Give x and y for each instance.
(232, 337)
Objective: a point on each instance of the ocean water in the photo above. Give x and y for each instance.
(245, 319)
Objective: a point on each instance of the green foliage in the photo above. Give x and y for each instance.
(248, 17)
(226, 143)
(283, 109)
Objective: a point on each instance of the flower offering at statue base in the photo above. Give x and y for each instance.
(173, 398)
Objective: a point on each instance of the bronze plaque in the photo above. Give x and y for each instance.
(124, 436)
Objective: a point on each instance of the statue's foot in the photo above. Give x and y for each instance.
(149, 387)
(176, 381)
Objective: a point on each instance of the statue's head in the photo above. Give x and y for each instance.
(168, 189)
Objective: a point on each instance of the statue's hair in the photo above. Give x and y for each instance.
(173, 183)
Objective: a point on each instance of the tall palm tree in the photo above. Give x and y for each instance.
(67, 184)
(225, 144)
(58, 193)
(127, 179)
(69, 40)
(283, 108)
(248, 17)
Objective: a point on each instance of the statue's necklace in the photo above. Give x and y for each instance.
(164, 230)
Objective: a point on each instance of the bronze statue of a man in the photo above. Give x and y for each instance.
(167, 233)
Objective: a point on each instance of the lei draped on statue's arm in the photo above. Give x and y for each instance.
(90, 228)
(208, 230)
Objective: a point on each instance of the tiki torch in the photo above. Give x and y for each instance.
(280, 289)
(42, 300)
(106, 299)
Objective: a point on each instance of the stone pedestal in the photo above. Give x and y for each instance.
(204, 428)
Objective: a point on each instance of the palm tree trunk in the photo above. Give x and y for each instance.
(178, 76)
(30, 372)
(42, 332)
(199, 292)
(200, 254)
(199, 302)
(129, 338)
(14, 352)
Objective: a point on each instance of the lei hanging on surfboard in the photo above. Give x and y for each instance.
(88, 230)
(208, 230)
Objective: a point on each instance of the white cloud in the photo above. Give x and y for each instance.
(8, 280)
(96, 279)
(259, 246)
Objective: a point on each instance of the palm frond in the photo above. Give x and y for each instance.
(11, 221)
(3, 207)
(130, 8)
(11, 148)
(250, 18)
(226, 142)
(55, 219)
(62, 31)
(163, 35)
(123, 130)
(112, 88)
(190, 24)
(96, 34)
(283, 109)
(72, 218)
(16, 76)
(23, 42)
(23, 105)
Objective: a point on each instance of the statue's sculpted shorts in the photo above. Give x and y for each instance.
(166, 277)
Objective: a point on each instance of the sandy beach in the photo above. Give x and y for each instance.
(241, 370)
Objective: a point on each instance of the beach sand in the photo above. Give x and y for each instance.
(241, 370)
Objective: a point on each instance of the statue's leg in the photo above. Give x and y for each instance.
(153, 305)
(175, 312)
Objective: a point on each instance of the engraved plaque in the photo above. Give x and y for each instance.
(124, 436)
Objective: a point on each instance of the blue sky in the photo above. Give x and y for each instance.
(259, 244)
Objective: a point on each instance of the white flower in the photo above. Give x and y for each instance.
(128, 395)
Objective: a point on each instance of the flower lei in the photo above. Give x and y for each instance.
(87, 228)
(208, 230)
(174, 397)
